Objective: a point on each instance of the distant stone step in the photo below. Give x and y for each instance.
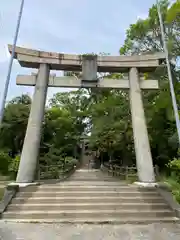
(87, 206)
(92, 179)
(86, 199)
(99, 220)
(77, 214)
(87, 194)
(82, 188)
(87, 183)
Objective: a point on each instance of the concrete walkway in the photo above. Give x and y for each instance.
(27, 231)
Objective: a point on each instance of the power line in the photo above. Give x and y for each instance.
(173, 96)
(11, 63)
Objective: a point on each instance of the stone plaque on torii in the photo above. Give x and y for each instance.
(89, 65)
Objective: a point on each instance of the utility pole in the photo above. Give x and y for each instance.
(173, 96)
(11, 63)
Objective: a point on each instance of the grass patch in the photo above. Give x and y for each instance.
(174, 186)
(4, 178)
(132, 179)
(1, 193)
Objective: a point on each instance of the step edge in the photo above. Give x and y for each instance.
(90, 192)
(98, 197)
(92, 221)
(87, 211)
(88, 204)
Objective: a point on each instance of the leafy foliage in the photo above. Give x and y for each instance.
(4, 162)
(13, 166)
(174, 166)
(14, 124)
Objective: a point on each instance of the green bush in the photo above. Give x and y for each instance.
(174, 167)
(13, 166)
(69, 161)
(174, 179)
(176, 194)
(5, 159)
(55, 171)
(1, 193)
(174, 185)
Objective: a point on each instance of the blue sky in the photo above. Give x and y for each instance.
(70, 26)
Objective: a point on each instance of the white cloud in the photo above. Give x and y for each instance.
(178, 62)
(142, 16)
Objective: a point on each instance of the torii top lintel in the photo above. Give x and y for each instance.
(71, 62)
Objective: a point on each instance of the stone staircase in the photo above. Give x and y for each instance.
(89, 196)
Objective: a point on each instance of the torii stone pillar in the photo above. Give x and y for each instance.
(141, 141)
(30, 151)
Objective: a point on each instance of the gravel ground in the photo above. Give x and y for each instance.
(28, 231)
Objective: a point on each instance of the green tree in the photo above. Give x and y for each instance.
(14, 124)
(144, 36)
(64, 125)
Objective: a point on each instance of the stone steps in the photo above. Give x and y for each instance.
(87, 206)
(90, 201)
(87, 194)
(91, 179)
(85, 183)
(82, 188)
(100, 220)
(78, 214)
(90, 175)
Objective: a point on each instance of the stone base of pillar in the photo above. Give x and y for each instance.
(24, 184)
(146, 184)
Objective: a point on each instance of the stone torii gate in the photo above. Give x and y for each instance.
(89, 65)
